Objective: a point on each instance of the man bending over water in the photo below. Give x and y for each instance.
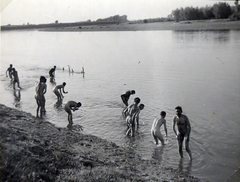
(9, 70)
(58, 91)
(184, 129)
(71, 105)
(125, 97)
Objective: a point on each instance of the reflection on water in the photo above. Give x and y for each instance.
(17, 98)
(157, 153)
(217, 37)
(58, 104)
(187, 169)
(199, 71)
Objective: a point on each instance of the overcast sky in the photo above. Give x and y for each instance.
(18, 12)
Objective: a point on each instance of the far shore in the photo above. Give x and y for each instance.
(203, 25)
(197, 25)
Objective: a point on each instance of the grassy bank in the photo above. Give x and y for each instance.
(33, 149)
(176, 26)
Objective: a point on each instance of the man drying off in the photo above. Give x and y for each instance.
(71, 105)
(155, 131)
(58, 91)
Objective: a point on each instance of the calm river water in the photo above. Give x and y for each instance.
(198, 70)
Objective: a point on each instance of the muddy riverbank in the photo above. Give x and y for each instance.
(33, 149)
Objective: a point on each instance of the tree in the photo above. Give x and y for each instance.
(176, 14)
(207, 12)
(221, 10)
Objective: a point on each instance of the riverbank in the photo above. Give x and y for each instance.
(203, 25)
(33, 149)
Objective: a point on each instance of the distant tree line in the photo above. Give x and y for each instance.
(219, 10)
(116, 18)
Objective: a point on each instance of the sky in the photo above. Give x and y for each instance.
(18, 12)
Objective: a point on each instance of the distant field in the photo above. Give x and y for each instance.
(178, 26)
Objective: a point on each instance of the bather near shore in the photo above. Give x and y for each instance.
(33, 149)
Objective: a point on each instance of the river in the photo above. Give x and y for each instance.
(198, 70)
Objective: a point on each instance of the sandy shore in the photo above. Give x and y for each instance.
(33, 149)
(176, 26)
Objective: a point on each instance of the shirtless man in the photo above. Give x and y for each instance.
(15, 78)
(71, 105)
(130, 110)
(52, 74)
(131, 120)
(155, 131)
(184, 129)
(41, 89)
(58, 91)
(125, 97)
(9, 70)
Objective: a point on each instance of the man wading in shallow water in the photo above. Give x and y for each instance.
(184, 129)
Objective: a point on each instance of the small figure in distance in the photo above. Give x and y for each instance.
(71, 105)
(15, 78)
(8, 71)
(131, 121)
(58, 91)
(184, 130)
(125, 97)
(52, 74)
(155, 131)
(41, 89)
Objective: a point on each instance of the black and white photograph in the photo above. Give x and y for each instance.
(120, 90)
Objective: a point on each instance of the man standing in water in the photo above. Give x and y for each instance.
(15, 78)
(131, 120)
(155, 131)
(40, 90)
(52, 74)
(184, 129)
